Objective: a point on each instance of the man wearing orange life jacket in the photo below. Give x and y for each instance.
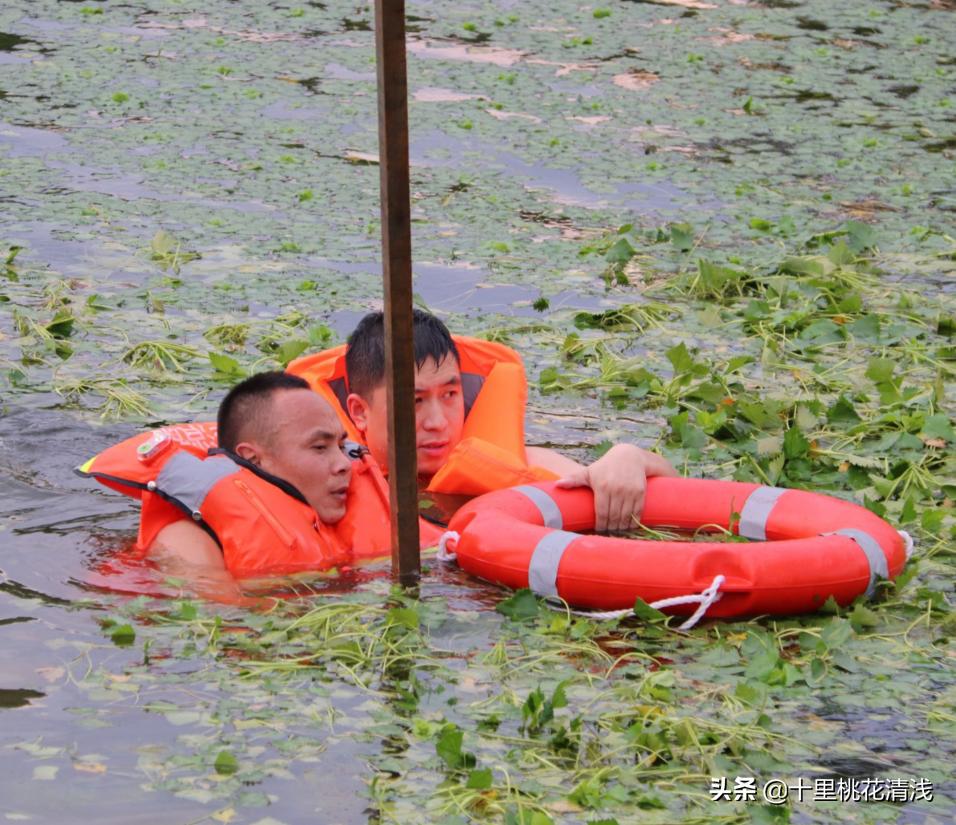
(279, 494)
(469, 398)
(275, 423)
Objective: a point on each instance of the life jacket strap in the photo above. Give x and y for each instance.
(281, 483)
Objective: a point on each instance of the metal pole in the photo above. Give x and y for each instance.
(397, 282)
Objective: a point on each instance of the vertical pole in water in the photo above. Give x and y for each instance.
(397, 281)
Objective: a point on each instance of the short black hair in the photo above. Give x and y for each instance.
(245, 404)
(365, 355)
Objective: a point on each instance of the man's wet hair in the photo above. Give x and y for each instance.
(365, 355)
(245, 408)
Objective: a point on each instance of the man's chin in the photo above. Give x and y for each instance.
(430, 464)
(332, 515)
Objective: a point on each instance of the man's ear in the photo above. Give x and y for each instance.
(250, 451)
(358, 411)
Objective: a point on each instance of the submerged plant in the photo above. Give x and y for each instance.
(160, 356)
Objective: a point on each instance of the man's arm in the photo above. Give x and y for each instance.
(184, 550)
(618, 479)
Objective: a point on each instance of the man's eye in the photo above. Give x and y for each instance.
(319, 447)
(451, 394)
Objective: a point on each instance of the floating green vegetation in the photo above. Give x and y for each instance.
(728, 228)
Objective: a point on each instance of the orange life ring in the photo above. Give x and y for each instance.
(813, 547)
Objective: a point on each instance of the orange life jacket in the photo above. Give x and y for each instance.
(491, 454)
(262, 524)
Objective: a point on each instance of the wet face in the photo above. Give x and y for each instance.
(439, 415)
(303, 444)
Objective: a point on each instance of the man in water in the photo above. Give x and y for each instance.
(618, 478)
(276, 423)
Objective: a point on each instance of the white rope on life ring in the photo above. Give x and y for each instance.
(908, 542)
(444, 554)
(705, 599)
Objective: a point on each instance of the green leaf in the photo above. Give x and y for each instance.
(621, 252)
(822, 332)
(830, 607)
(520, 607)
(860, 236)
(186, 611)
(862, 617)
(62, 324)
(842, 411)
(559, 699)
(448, 746)
(601, 448)
(840, 253)
(404, 617)
(866, 328)
(682, 236)
(880, 370)
(753, 693)
(479, 780)
(123, 635)
(522, 816)
(226, 365)
(795, 445)
(807, 265)
(163, 243)
(680, 358)
(226, 764)
(939, 426)
(689, 435)
(647, 613)
(762, 665)
(932, 521)
(836, 633)
(321, 335)
(289, 351)
(716, 280)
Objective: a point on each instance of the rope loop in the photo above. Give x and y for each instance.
(908, 542)
(444, 553)
(704, 600)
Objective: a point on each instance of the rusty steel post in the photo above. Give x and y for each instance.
(397, 282)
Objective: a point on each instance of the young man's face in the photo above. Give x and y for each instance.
(439, 415)
(303, 445)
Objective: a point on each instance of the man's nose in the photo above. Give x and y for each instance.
(433, 416)
(343, 464)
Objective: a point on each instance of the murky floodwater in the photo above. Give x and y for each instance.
(247, 131)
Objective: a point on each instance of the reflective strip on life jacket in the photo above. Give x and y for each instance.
(187, 480)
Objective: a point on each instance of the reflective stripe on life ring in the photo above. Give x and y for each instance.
(547, 506)
(756, 511)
